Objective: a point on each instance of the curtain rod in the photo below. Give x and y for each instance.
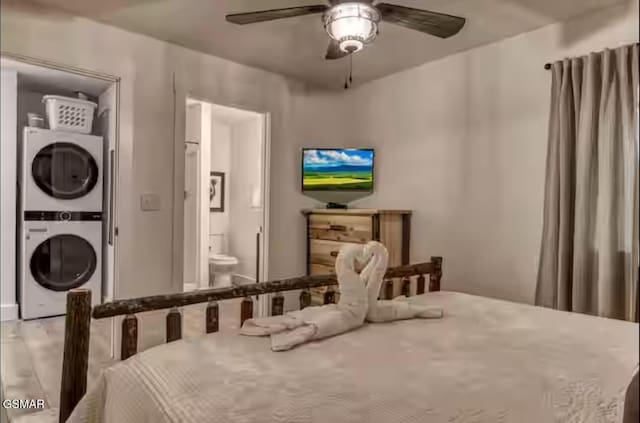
(547, 66)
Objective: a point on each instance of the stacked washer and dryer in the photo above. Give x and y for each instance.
(61, 186)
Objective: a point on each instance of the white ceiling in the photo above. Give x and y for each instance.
(295, 47)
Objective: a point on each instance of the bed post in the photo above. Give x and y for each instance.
(436, 275)
(246, 309)
(420, 285)
(277, 304)
(212, 321)
(406, 287)
(388, 289)
(129, 341)
(75, 361)
(174, 325)
(305, 298)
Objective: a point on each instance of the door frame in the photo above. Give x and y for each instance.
(180, 99)
(197, 195)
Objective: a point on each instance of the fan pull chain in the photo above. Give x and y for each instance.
(348, 80)
(350, 69)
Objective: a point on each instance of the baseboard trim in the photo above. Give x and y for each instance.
(8, 312)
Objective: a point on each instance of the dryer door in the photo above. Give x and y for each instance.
(63, 262)
(64, 170)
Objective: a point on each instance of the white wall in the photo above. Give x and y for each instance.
(245, 220)
(29, 102)
(221, 162)
(462, 142)
(8, 152)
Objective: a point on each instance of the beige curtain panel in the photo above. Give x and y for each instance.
(589, 252)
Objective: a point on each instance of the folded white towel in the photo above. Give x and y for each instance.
(261, 326)
(399, 308)
(311, 323)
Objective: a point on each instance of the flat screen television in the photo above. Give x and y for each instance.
(337, 169)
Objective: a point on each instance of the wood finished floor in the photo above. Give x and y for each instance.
(31, 354)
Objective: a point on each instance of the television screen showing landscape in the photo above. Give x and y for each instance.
(337, 170)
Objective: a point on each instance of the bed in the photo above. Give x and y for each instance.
(486, 361)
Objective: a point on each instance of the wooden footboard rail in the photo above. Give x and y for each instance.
(79, 313)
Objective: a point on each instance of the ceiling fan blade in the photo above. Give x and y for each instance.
(433, 23)
(270, 15)
(334, 52)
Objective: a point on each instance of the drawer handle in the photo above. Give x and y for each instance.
(333, 254)
(341, 228)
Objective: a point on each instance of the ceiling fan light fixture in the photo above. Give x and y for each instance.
(352, 24)
(351, 46)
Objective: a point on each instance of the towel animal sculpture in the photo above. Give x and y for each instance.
(358, 300)
(312, 323)
(388, 310)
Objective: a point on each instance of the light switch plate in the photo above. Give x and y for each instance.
(149, 202)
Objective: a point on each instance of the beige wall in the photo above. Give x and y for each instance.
(462, 142)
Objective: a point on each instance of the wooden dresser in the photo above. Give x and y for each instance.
(330, 229)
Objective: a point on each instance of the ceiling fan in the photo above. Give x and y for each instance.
(353, 24)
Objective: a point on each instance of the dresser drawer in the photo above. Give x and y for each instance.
(324, 252)
(321, 269)
(340, 228)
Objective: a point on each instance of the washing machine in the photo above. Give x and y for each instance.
(60, 251)
(61, 171)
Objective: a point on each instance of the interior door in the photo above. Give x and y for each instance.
(108, 124)
(191, 214)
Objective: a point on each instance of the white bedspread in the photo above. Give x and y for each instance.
(485, 361)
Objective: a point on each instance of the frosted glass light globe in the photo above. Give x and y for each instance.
(352, 24)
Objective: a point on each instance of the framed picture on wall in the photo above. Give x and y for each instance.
(216, 192)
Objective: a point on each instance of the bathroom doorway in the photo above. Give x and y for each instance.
(225, 183)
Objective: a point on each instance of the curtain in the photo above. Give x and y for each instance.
(589, 251)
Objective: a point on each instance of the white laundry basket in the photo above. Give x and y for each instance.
(69, 114)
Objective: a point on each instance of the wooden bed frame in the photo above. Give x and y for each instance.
(75, 360)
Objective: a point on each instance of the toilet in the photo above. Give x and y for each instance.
(222, 268)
